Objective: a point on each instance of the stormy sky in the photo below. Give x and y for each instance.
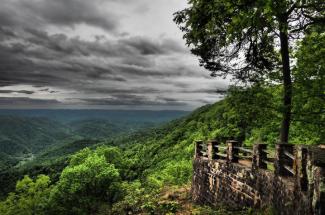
(114, 54)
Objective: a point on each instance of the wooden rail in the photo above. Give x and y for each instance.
(289, 169)
(222, 155)
(245, 149)
(282, 160)
(289, 155)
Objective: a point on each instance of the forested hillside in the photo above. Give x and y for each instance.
(110, 179)
(25, 134)
(20, 135)
(33, 143)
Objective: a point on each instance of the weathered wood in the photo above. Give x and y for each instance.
(259, 156)
(289, 169)
(198, 148)
(222, 155)
(232, 151)
(282, 160)
(212, 149)
(300, 167)
(289, 155)
(318, 156)
(244, 149)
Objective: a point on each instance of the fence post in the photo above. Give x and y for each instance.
(212, 149)
(300, 167)
(316, 178)
(320, 191)
(198, 148)
(283, 163)
(232, 151)
(259, 156)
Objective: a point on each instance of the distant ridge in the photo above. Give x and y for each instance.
(68, 115)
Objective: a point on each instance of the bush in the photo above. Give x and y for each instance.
(31, 197)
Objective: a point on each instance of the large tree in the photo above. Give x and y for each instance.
(250, 39)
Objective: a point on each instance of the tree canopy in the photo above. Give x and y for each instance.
(250, 40)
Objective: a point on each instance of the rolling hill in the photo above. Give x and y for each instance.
(152, 159)
(27, 134)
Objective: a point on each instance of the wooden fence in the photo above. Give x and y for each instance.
(283, 159)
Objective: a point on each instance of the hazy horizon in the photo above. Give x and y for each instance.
(90, 109)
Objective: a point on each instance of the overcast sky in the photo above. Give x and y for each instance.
(98, 54)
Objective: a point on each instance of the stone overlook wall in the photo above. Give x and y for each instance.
(290, 179)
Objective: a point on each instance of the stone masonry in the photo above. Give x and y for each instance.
(295, 186)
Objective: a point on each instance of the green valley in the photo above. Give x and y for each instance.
(127, 173)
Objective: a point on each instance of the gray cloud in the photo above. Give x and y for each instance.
(47, 90)
(48, 44)
(133, 100)
(146, 46)
(39, 58)
(59, 12)
(25, 101)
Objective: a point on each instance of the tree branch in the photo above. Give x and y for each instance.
(302, 27)
(291, 9)
(315, 19)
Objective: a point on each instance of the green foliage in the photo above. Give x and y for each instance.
(31, 137)
(169, 207)
(172, 173)
(31, 197)
(33, 143)
(248, 108)
(237, 37)
(240, 39)
(85, 184)
(129, 178)
(62, 151)
(135, 199)
(309, 91)
(206, 210)
(19, 135)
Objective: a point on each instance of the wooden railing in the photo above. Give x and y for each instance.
(282, 160)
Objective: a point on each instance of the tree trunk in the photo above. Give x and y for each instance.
(287, 86)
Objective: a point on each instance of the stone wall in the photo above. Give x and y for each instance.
(224, 182)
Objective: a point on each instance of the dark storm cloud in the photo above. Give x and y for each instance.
(39, 58)
(209, 90)
(14, 72)
(125, 47)
(39, 49)
(16, 101)
(113, 91)
(138, 70)
(147, 46)
(57, 12)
